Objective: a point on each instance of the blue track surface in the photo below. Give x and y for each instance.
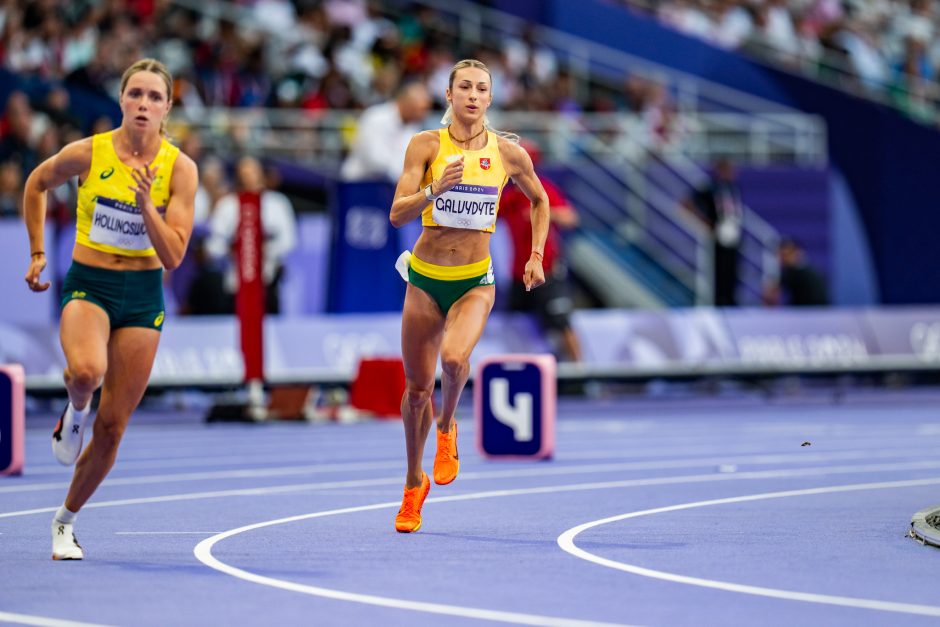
(666, 512)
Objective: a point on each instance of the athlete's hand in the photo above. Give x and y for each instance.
(37, 264)
(534, 273)
(451, 176)
(144, 178)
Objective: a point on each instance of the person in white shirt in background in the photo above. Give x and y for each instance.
(383, 133)
(278, 224)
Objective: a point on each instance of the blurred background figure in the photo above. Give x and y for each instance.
(199, 282)
(11, 190)
(20, 128)
(383, 133)
(552, 302)
(719, 204)
(279, 233)
(799, 284)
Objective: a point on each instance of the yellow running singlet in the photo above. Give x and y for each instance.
(108, 218)
(474, 202)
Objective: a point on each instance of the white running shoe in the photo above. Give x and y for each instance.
(68, 434)
(64, 543)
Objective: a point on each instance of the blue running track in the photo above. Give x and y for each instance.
(672, 512)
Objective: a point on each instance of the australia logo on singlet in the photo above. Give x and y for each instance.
(467, 206)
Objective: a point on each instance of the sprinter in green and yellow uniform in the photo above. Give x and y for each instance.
(453, 178)
(134, 218)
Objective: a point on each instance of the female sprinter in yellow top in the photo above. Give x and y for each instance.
(453, 178)
(134, 218)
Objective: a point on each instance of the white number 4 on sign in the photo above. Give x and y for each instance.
(517, 415)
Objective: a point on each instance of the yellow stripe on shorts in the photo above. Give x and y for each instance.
(450, 273)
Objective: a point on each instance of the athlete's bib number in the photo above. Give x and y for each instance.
(118, 224)
(467, 207)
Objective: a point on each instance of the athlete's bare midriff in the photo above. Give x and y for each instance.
(445, 246)
(111, 261)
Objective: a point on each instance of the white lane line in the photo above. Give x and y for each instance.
(397, 481)
(567, 544)
(26, 619)
(165, 533)
(195, 460)
(203, 552)
(219, 474)
(740, 460)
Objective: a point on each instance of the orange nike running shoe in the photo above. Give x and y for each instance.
(409, 516)
(446, 460)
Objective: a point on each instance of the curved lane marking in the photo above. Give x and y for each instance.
(203, 553)
(567, 544)
(203, 550)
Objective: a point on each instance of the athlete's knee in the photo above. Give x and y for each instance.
(108, 433)
(86, 375)
(454, 363)
(417, 395)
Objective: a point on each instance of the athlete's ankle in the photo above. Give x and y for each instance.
(65, 515)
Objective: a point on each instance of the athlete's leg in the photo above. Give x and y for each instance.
(462, 330)
(421, 329)
(131, 352)
(84, 331)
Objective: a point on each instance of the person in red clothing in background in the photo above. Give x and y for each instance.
(552, 302)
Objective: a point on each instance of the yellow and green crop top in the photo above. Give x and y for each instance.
(108, 218)
(474, 202)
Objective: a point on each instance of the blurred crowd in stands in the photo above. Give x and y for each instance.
(317, 56)
(307, 55)
(886, 48)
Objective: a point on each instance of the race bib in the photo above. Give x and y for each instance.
(467, 207)
(118, 224)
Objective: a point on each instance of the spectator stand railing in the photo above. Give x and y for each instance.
(320, 138)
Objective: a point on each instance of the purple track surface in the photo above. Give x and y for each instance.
(676, 511)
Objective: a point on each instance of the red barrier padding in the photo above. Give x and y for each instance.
(379, 386)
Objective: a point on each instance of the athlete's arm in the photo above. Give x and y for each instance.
(410, 200)
(169, 236)
(519, 167)
(73, 160)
